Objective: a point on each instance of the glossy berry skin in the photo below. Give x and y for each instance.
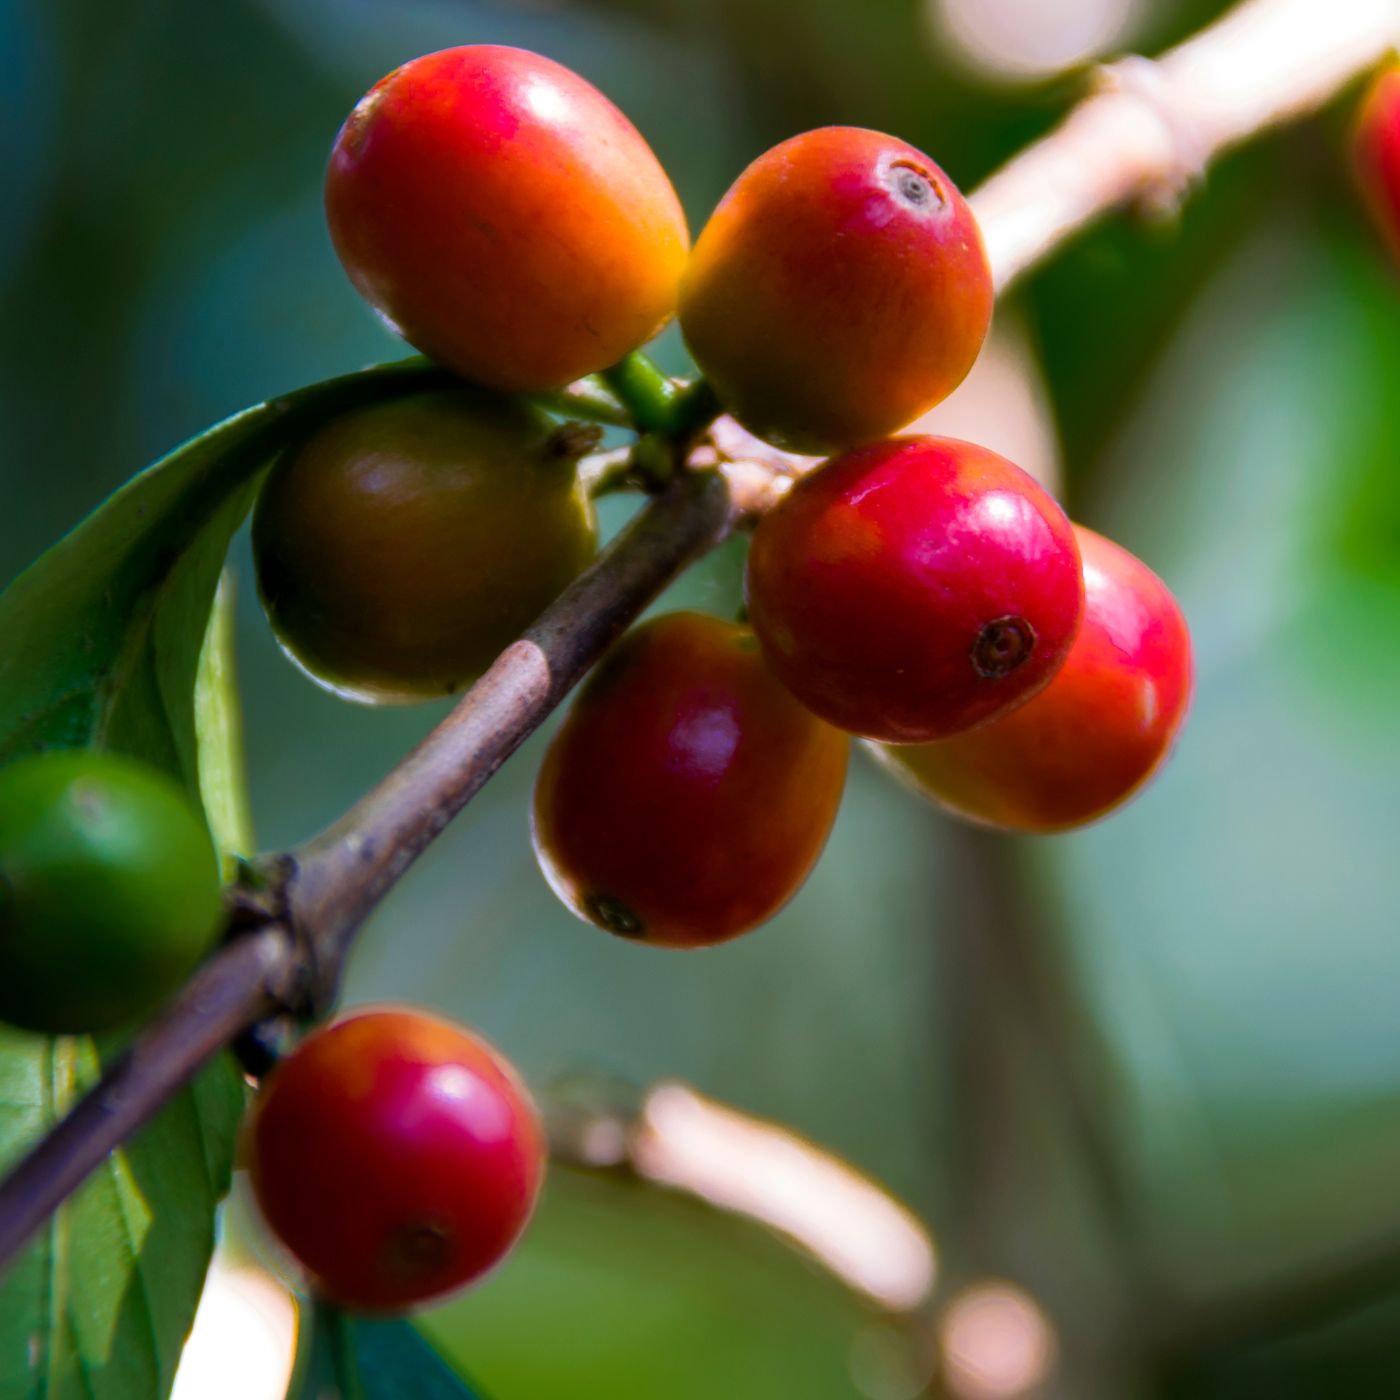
(505, 218)
(914, 588)
(839, 290)
(109, 890)
(687, 796)
(1096, 733)
(1376, 153)
(403, 546)
(396, 1156)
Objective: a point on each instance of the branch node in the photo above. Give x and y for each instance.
(263, 898)
(1189, 146)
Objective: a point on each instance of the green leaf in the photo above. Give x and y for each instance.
(218, 721)
(111, 640)
(356, 1358)
(100, 1304)
(622, 1289)
(100, 638)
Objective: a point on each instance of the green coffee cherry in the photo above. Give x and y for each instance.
(109, 890)
(404, 545)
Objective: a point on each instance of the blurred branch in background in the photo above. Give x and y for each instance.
(1154, 125)
(679, 1138)
(672, 1141)
(1026, 1086)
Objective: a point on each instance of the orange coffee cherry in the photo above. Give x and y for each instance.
(839, 290)
(505, 218)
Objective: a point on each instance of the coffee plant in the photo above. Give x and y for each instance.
(427, 528)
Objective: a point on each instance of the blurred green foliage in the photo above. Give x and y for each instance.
(1156, 1060)
(629, 1280)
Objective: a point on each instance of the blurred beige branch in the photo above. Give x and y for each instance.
(1155, 124)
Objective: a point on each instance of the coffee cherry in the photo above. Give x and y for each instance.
(1096, 733)
(404, 545)
(839, 290)
(396, 1156)
(914, 588)
(504, 217)
(109, 890)
(1376, 153)
(688, 795)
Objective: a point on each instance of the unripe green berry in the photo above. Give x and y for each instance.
(109, 890)
(404, 545)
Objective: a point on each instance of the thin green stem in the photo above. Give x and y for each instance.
(649, 395)
(659, 406)
(694, 407)
(344, 1357)
(589, 399)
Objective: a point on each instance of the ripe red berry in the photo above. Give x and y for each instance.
(839, 290)
(688, 794)
(396, 1156)
(404, 545)
(914, 588)
(504, 217)
(1096, 733)
(1376, 153)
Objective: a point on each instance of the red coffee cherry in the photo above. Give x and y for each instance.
(1376, 153)
(688, 795)
(396, 1156)
(839, 290)
(504, 217)
(914, 588)
(1095, 735)
(404, 545)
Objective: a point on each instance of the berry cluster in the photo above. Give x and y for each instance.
(921, 593)
(918, 592)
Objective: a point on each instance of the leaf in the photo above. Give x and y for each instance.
(100, 1304)
(623, 1289)
(356, 1358)
(100, 637)
(218, 722)
(111, 640)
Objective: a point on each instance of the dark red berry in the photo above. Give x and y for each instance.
(687, 795)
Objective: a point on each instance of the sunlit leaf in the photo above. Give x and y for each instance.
(110, 640)
(357, 1358)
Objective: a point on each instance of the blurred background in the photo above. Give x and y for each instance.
(1143, 1082)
